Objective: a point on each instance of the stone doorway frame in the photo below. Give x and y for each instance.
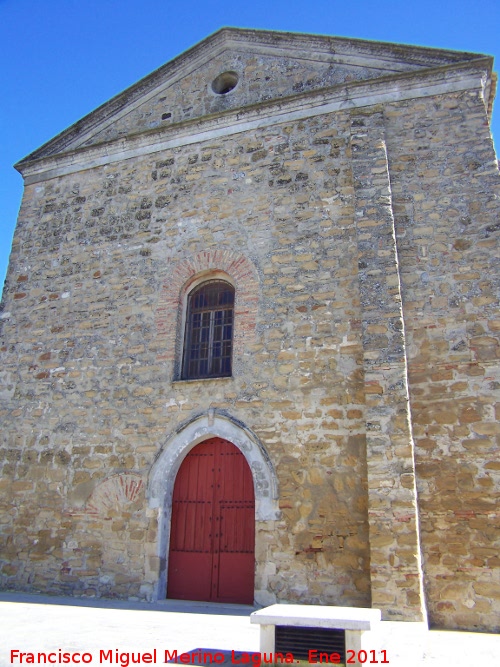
(164, 471)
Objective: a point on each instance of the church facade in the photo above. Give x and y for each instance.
(250, 336)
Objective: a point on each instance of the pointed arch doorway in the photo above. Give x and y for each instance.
(212, 536)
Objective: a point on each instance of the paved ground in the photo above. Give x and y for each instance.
(32, 624)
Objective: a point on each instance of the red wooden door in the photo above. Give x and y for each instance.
(212, 535)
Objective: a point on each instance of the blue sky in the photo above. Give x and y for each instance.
(60, 59)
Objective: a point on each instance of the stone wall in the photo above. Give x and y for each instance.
(90, 339)
(362, 246)
(445, 184)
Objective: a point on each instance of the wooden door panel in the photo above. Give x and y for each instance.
(237, 528)
(236, 578)
(212, 538)
(194, 480)
(189, 576)
(191, 527)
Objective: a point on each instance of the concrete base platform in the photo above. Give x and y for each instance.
(31, 623)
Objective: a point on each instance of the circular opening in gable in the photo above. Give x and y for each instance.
(224, 83)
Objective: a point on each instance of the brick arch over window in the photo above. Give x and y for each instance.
(241, 272)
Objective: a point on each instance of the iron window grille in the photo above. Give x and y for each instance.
(208, 340)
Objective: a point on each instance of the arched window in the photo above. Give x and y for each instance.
(208, 339)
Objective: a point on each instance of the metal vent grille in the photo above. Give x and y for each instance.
(299, 641)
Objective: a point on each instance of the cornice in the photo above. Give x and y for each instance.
(295, 43)
(383, 90)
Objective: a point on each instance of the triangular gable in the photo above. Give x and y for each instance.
(264, 66)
